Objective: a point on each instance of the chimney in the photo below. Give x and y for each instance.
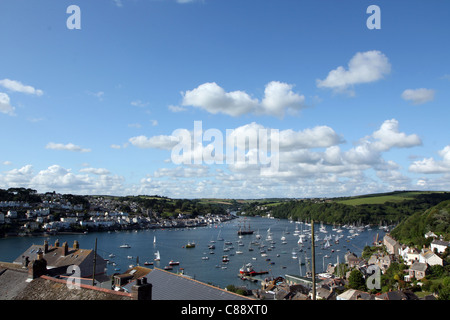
(57, 243)
(45, 246)
(141, 290)
(65, 249)
(37, 267)
(39, 254)
(76, 245)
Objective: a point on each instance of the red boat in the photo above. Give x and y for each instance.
(247, 270)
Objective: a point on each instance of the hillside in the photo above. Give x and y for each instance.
(388, 208)
(435, 219)
(381, 198)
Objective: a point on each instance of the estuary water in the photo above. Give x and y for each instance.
(268, 253)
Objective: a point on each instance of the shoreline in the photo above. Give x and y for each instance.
(131, 228)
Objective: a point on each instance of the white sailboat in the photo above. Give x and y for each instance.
(157, 256)
(154, 240)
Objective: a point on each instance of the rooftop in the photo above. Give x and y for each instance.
(171, 286)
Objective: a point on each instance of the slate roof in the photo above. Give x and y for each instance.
(47, 288)
(12, 280)
(15, 285)
(55, 256)
(418, 266)
(441, 243)
(397, 295)
(170, 286)
(353, 294)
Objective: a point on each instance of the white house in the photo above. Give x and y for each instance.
(430, 234)
(410, 255)
(428, 256)
(439, 245)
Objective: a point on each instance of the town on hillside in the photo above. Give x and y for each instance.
(386, 270)
(52, 213)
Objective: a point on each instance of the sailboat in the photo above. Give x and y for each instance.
(327, 244)
(157, 256)
(219, 238)
(154, 240)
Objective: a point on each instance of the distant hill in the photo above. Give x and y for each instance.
(435, 219)
(381, 198)
(386, 208)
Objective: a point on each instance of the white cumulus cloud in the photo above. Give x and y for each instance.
(68, 147)
(364, 67)
(389, 136)
(430, 165)
(278, 98)
(17, 86)
(418, 96)
(97, 171)
(5, 105)
(164, 142)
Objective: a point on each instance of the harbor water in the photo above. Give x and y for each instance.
(276, 249)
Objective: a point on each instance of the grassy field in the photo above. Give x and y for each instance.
(381, 198)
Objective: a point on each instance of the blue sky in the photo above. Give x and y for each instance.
(93, 110)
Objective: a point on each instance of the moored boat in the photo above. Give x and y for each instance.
(190, 245)
(247, 270)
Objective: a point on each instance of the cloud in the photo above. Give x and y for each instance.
(364, 67)
(418, 96)
(176, 108)
(67, 147)
(388, 136)
(97, 171)
(182, 172)
(159, 142)
(99, 95)
(214, 99)
(17, 86)
(139, 103)
(135, 125)
(5, 105)
(429, 165)
(56, 177)
(118, 3)
(278, 98)
(317, 137)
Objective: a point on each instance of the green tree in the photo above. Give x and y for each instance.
(356, 280)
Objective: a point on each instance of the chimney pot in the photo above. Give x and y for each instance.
(45, 246)
(57, 243)
(65, 248)
(76, 245)
(141, 290)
